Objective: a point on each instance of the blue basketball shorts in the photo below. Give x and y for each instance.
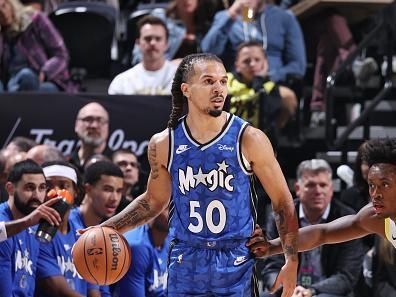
(216, 268)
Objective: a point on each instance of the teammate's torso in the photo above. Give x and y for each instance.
(55, 259)
(156, 274)
(24, 249)
(211, 197)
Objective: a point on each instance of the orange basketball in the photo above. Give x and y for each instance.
(101, 255)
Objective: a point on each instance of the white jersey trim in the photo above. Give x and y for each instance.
(390, 231)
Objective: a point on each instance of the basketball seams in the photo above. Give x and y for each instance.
(105, 249)
(85, 259)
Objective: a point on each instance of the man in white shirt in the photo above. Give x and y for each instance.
(154, 75)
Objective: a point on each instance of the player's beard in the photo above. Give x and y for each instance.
(215, 112)
(25, 208)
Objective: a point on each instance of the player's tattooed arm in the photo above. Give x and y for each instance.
(288, 231)
(155, 199)
(136, 216)
(152, 157)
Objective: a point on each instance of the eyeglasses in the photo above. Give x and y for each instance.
(31, 187)
(124, 164)
(90, 120)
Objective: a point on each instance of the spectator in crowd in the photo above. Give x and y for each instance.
(328, 38)
(15, 152)
(154, 75)
(103, 189)
(12, 159)
(20, 144)
(44, 153)
(32, 53)
(19, 249)
(331, 270)
(95, 158)
(276, 29)
(187, 23)
(92, 128)
(149, 247)
(56, 273)
(358, 196)
(129, 164)
(254, 96)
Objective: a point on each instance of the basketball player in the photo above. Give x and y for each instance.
(377, 217)
(56, 273)
(103, 188)
(26, 188)
(203, 166)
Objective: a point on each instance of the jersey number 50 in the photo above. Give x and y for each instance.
(215, 204)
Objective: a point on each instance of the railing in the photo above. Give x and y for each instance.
(331, 122)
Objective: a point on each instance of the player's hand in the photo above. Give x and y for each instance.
(288, 278)
(258, 243)
(82, 231)
(46, 212)
(300, 291)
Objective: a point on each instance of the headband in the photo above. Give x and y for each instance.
(60, 170)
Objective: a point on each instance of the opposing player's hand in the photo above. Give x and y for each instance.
(288, 278)
(46, 212)
(258, 243)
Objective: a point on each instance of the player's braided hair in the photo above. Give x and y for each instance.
(380, 151)
(183, 73)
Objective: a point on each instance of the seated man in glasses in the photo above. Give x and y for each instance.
(92, 128)
(130, 167)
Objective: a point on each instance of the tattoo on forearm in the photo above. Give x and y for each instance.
(291, 248)
(287, 228)
(152, 157)
(281, 222)
(134, 216)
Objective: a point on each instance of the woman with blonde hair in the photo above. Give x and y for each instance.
(33, 56)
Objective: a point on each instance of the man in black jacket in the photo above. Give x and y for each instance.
(327, 271)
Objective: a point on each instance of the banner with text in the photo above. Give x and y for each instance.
(50, 119)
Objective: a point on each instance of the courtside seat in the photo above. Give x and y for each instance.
(88, 30)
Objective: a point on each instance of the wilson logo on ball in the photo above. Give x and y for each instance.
(115, 247)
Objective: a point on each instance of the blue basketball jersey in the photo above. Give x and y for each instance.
(212, 185)
(148, 273)
(55, 260)
(18, 260)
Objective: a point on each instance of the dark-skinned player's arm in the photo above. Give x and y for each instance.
(340, 230)
(159, 188)
(259, 152)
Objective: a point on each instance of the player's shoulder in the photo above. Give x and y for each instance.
(159, 145)
(254, 138)
(160, 139)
